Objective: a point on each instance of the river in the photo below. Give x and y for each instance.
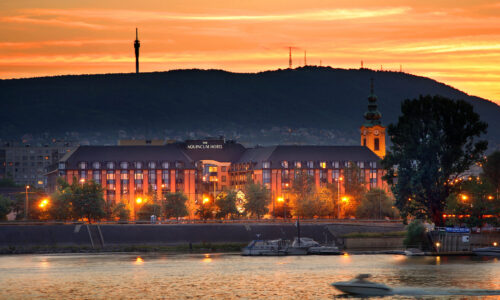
(230, 276)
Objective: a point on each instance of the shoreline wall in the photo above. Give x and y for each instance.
(97, 236)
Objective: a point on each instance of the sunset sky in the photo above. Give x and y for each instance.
(456, 42)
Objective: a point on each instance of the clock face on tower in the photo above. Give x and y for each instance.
(376, 132)
(364, 132)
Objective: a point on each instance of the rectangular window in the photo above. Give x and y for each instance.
(310, 172)
(212, 169)
(152, 177)
(335, 175)
(377, 144)
(110, 175)
(223, 178)
(322, 165)
(83, 174)
(266, 176)
(298, 164)
(335, 164)
(124, 175)
(266, 165)
(138, 175)
(97, 176)
(223, 169)
(310, 164)
(165, 177)
(284, 164)
(360, 164)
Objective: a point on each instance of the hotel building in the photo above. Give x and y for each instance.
(202, 168)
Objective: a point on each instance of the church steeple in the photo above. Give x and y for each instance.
(137, 45)
(372, 116)
(372, 131)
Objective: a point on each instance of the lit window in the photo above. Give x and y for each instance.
(138, 175)
(284, 164)
(322, 165)
(212, 169)
(298, 164)
(266, 165)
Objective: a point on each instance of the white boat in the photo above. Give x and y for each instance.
(487, 251)
(301, 246)
(362, 287)
(265, 248)
(414, 252)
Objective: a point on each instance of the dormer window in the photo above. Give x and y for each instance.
(82, 165)
(179, 165)
(284, 164)
(266, 165)
(124, 165)
(138, 165)
(96, 165)
(298, 164)
(322, 164)
(152, 165)
(110, 165)
(165, 165)
(62, 166)
(310, 164)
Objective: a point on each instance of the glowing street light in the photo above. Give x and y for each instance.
(280, 199)
(82, 180)
(206, 200)
(345, 199)
(26, 204)
(43, 203)
(495, 244)
(464, 197)
(490, 197)
(138, 200)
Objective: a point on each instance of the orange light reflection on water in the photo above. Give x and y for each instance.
(138, 261)
(207, 258)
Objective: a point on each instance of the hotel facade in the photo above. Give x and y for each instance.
(203, 168)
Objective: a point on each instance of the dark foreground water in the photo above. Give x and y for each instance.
(230, 276)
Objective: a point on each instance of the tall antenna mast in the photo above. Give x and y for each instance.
(290, 58)
(137, 45)
(305, 58)
(400, 68)
(361, 64)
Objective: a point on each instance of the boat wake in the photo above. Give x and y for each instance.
(412, 291)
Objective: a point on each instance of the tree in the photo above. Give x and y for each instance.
(257, 200)
(474, 201)
(87, 200)
(354, 189)
(206, 210)
(415, 235)
(148, 209)
(434, 141)
(226, 204)
(175, 205)
(5, 207)
(376, 204)
(60, 207)
(120, 212)
(305, 202)
(35, 195)
(491, 171)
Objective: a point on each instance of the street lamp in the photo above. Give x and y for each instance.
(26, 204)
(43, 203)
(338, 195)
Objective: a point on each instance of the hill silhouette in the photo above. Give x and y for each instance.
(308, 97)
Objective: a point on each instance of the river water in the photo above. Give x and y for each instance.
(231, 276)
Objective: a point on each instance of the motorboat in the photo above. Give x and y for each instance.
(487, 251)
(301, 246)
(414, 252)
(265, 248)
(361, 287)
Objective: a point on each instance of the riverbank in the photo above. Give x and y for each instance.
(185, 248)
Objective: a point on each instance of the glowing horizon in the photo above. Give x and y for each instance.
(454, 43)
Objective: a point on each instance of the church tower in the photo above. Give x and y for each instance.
(137, 45)
(372, 131)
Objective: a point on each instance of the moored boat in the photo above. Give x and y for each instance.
(265, 248)
(487, 251)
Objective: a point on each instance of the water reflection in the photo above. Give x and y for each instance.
(181, 276)
(138, 261)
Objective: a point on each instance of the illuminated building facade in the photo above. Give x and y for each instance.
(203, 168)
